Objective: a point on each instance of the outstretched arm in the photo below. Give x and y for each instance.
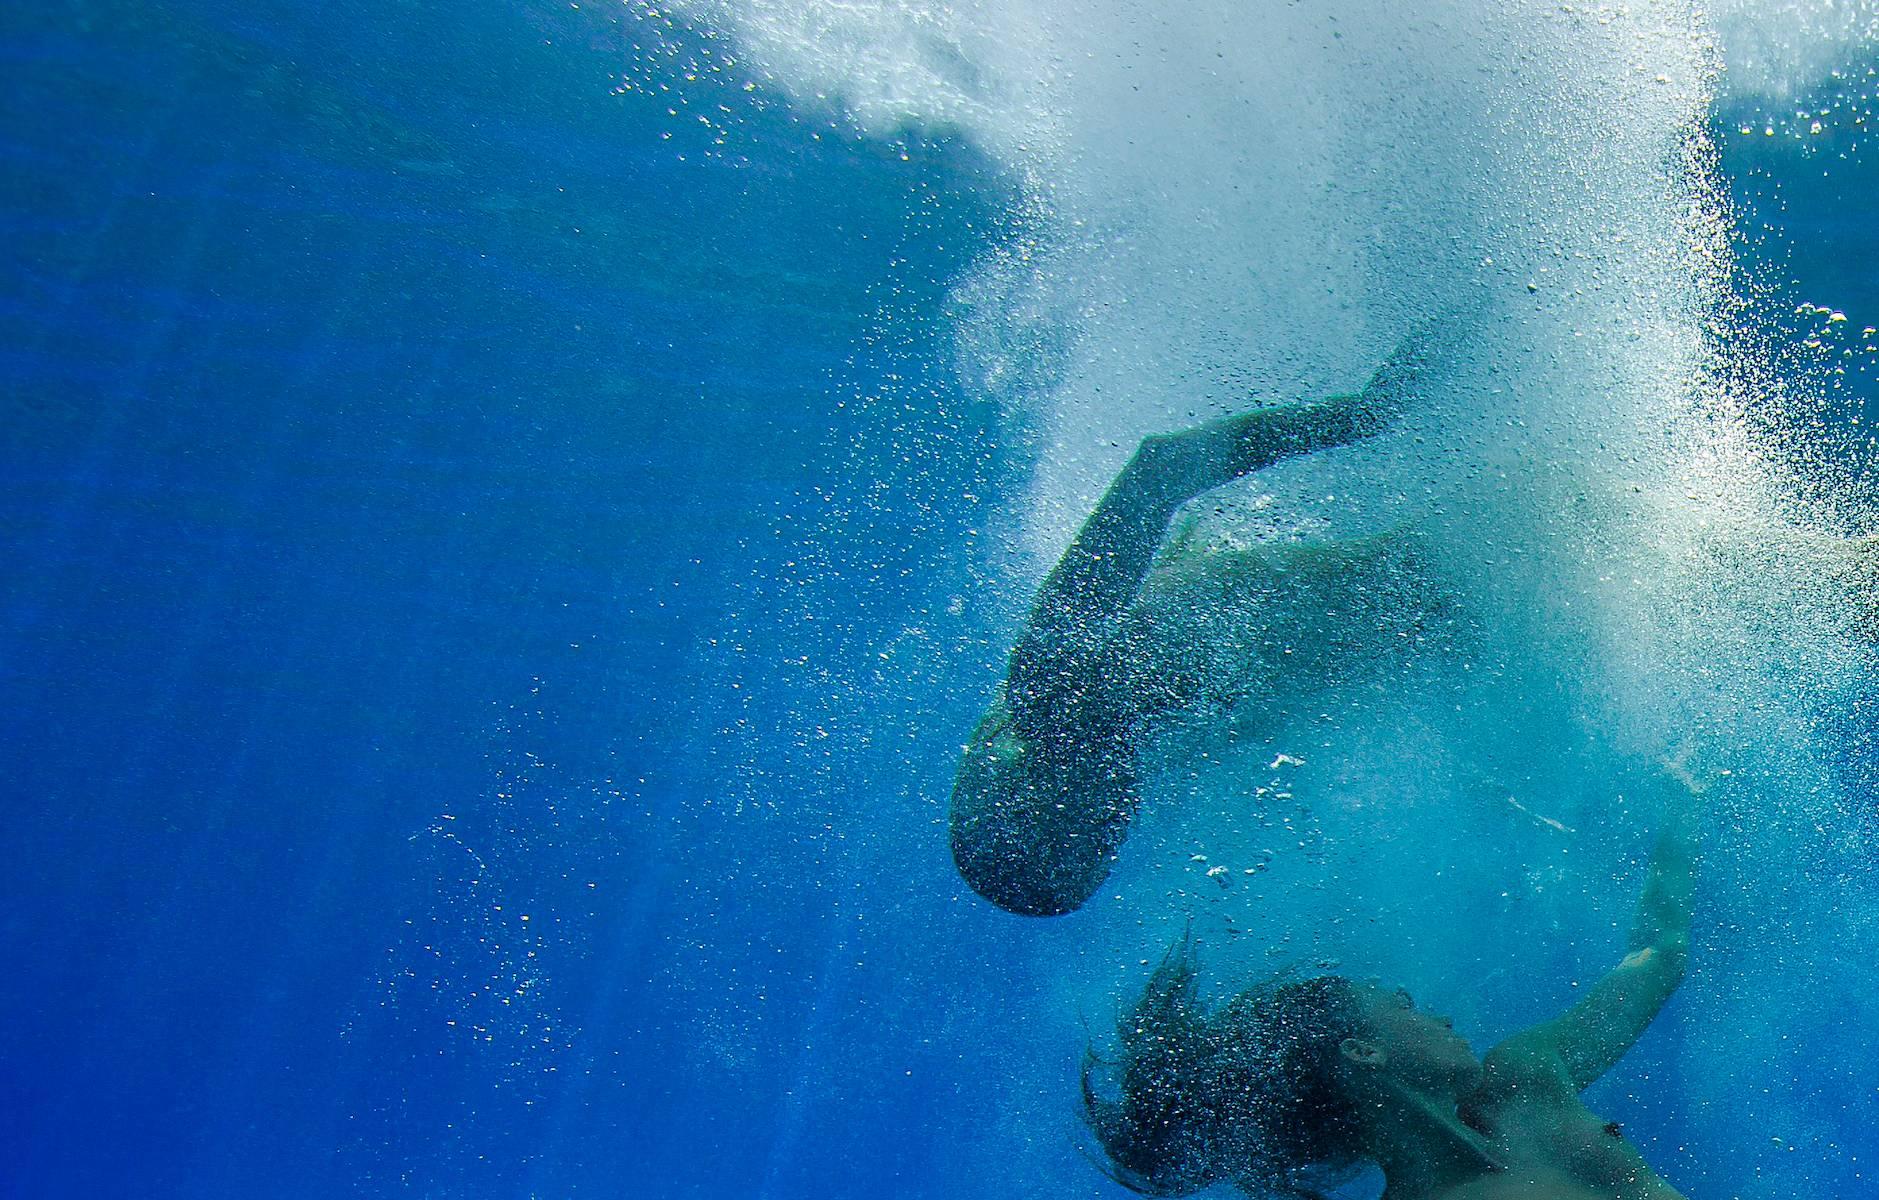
(1596, 1032)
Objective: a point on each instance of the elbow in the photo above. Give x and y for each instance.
(1666, 955)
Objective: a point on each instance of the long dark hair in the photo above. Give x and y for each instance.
(1246, 1094)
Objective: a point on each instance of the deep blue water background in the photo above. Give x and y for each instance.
(440, 487)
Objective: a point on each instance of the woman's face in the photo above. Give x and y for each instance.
(1418, 1048)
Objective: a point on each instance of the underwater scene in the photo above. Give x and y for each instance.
(857, 598)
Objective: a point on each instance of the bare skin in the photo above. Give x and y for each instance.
(1047, 785)
(1444, 1125)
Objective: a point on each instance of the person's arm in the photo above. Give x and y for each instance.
(1596, 1032)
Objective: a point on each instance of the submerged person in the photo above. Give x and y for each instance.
(1048, 784)
(1288, 1090)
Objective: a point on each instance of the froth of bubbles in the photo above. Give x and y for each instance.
(1226, 205)
(1779, 49)
(891, 65)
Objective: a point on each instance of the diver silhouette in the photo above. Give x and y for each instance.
(1048, 783)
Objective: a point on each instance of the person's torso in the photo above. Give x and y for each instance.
(1219, 628)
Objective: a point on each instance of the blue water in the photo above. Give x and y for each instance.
(497, 577)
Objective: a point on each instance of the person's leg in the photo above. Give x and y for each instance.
(1072, 620)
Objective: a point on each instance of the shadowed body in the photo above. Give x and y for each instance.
(1048, 783)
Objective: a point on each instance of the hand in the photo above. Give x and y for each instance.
(1676, 764)
(1686, 813)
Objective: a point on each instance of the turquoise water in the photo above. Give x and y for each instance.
(512, 514)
